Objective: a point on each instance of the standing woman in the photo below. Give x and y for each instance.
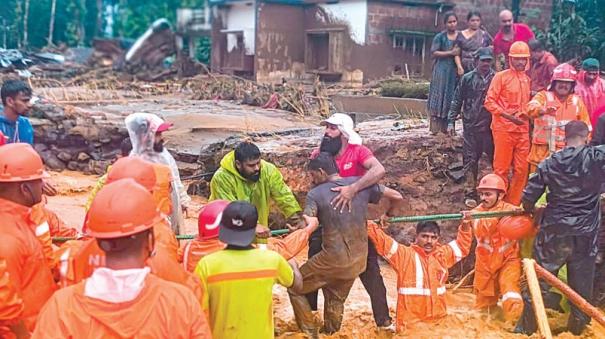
(443, 80)
(470, 40)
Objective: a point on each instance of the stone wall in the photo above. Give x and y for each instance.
(76, 139)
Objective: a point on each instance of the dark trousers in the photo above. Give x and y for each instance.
(474, 145)
(552, 252)
(371, 280)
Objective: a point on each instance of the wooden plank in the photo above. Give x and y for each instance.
(536, 298)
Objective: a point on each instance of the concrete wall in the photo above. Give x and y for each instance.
(241, 16)
(533, 12)
(280, 49)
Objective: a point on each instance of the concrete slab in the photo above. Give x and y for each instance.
(367, 107)
(198, 123)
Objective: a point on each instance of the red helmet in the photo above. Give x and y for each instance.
(564, 72)
(516, 227)
(210, 218)
(492, 182)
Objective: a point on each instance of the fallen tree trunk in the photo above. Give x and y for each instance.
(572, 295)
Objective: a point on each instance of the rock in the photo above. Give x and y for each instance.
(54, 163)
(64, 156)
(105, 140)
(40, 148)
(72, 166)
(83, 156)
(87, 132)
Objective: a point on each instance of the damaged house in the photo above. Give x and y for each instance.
(351, 41)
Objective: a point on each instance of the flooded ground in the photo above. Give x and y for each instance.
(461, 322)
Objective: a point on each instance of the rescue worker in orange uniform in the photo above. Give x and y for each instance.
(551, 110)
(79, 260)
(21, 174)
(498, 261)
(421, 269)
(11, 304)
(507, 99)
(207, 241)
(123, 299)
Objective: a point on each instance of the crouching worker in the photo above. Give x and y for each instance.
(421, 269)
(123, 299)
(498, 261)
(207, 241)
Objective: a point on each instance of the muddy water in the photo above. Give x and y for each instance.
(462, 321)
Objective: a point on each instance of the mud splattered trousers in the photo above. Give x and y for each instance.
(552, 252)
(317, 274)
(371, 279)
(474, 145)
(512, 149)
(504, 283)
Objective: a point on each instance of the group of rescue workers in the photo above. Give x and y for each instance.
(125, 274)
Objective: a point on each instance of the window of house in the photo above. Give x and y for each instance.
(413, 44)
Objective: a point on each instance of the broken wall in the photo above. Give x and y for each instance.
(280, 43)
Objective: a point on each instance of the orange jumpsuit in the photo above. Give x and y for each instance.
(48, 225)
(10, 301)
(25, 263)
(161, 310)
(549, 129)
(287, 247)
(509, 93)
(421, 277)
(497, 265)
(79, 258)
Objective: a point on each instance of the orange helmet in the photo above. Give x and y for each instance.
(516, 227)
(492, 182)
(564, 72)
(136, 168)
(20, 162)
(210, 218)
(519, 49)
(120, 209)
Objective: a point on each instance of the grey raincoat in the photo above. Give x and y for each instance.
(141, 129)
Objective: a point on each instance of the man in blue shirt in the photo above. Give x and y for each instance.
(16, 99)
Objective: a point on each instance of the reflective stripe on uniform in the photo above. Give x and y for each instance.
(186, 255)
(393, 250)
(42, 229)
(511, 295)
(457, 251)
(64, 266)
(506, 246)
(241, 276)
(419, 289)
(484, 244)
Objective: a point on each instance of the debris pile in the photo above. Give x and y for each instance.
(290, 97)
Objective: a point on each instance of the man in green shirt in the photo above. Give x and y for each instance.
(243, 175)
(238, 280)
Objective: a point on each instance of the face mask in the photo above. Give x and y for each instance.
(330, 145)
(33, 199)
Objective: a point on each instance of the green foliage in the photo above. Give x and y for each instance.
(77, 22)
(576, 32)
(404, 89)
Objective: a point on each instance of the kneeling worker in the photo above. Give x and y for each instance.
(123, 299)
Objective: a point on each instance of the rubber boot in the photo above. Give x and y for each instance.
(576, 325)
